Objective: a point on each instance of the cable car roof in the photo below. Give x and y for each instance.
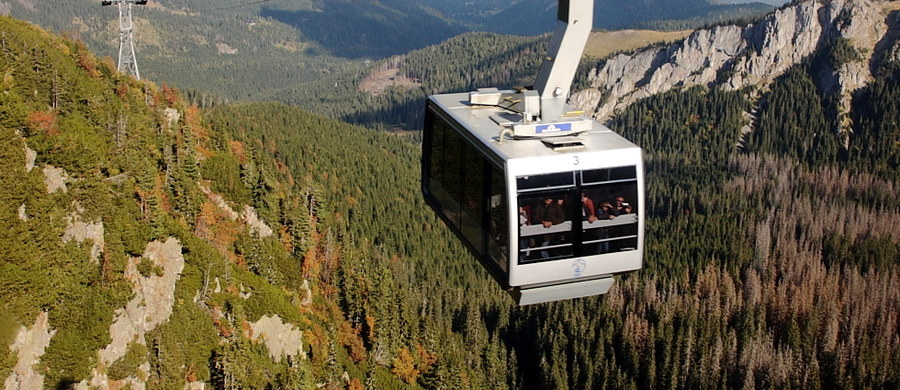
(478, 123)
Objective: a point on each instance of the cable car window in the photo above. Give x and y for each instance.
(545, 182)
(610, 220)
(444, 171)
(472, 195)
(622, 173)
(467, 191)
(600, 214)
(453, 173)
(545, 226)
(498, 241)
(611, 174)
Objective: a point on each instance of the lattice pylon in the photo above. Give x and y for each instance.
(127, 59)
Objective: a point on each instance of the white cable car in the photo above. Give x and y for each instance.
(549, 200)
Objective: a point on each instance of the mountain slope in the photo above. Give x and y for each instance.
(734, 57)
(109, 255)
(149, 245)
(532, 17)
(216, 49)
(369, 29)
(145, 249)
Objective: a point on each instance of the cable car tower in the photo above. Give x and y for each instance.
(127, 59)
(550, 201)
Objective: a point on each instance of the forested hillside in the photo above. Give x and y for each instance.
(389, 95)
(214, 47)
(364, 29)
(146, 247)
(763, 270)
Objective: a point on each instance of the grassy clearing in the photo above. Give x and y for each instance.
(604, 43)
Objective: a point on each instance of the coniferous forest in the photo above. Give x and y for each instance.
(771, 257)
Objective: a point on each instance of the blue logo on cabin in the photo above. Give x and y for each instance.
(553, 128)
(578, 267)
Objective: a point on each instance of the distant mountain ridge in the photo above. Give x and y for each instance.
(531, 17)
(733, 57)
(218, 47)
(356, 29)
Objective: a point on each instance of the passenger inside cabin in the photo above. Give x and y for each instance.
(606, 211)
(548, 213)
(587, 208)
(620, 205)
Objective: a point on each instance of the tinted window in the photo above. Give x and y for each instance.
(623, 173)
(608, 174)
(498, 239)
(443, 183)
(541, 182)
(545, 226)
(600, 214)
(472, 195)
(610, 220)
(466, 190)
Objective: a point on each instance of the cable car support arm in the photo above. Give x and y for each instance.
(543, 110)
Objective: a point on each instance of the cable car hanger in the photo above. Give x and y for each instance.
(543, 110)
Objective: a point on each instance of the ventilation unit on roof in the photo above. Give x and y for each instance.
(563, 143)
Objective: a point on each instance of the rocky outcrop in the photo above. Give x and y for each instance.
(79, 231)
(256, 225)
(281, 339)
(195, 385)
(154, 298)
(172, 116)
(55, 179)
(248, 214)
(29, 346)
(22, 213)
(30, 157)
(220, 203)
(732, 57)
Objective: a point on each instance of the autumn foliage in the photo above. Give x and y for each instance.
(43, 122)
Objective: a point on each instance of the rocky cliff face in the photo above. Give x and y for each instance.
(732, 57)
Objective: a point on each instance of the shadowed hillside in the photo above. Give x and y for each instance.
(355, 29)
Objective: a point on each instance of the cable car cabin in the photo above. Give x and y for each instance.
(550, 218)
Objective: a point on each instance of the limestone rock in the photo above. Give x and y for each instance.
(29, 346)
(55, 178)
(256, 225)
(196, 385)
(732, 57)
(23, 215)
(80, 231)
(153, 300)
(30, 157)
(220, 202)
(281, 339)
(172, 116)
